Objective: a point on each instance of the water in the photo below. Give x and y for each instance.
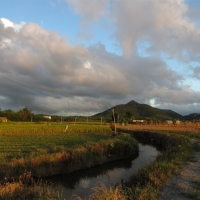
(80, 182)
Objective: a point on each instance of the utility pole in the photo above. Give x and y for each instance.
(69, 108)
(114, 119)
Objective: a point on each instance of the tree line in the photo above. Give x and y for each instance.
(26, 115)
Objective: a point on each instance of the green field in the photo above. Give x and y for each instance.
(43, 150)
(31, 140)
(37, 150)
(49, 149)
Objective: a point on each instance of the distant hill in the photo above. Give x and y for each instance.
(139, 111)
(192, 116)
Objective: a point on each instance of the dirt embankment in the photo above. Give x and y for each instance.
(186, 184)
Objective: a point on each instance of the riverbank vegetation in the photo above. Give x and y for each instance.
(29, 151)
(78, 148)
(150, 180)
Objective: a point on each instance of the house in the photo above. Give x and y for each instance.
(3, 119)
(177, 122)
(47, 116)
(169, 121)
(138, 121)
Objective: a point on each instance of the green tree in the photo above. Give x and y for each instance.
(25, 114)
(128, 115)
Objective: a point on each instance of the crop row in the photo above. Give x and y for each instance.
(23, 141)
(52, 128)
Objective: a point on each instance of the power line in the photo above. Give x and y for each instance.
(30, 88)
(23, 85)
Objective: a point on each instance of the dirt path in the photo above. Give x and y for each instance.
(182, 186)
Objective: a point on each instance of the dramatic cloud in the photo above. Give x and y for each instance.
(196, 72)
(43, 71)
(50, 68)
(8, 23)
(164, 25)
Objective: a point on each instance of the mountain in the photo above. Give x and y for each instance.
(192, 116)
(138, 111)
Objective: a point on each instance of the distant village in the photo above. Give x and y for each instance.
(135, 121)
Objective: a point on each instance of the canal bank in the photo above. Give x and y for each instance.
(185, 185)
(110, 174)
(152, 177)
(149, 180)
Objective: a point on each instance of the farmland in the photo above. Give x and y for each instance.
(17, 141)
(29, 149)
(32, 140)
(46, 149)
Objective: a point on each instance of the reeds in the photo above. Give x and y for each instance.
(25, 187)
(102, 192)
(148, 182)
(84, 156)
(59, 154)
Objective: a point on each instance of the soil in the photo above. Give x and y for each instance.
(182, 186)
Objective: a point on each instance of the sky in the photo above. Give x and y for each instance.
(81, 57)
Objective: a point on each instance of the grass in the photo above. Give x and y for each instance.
(27, 188)
(196, 146)
(33, 128)
(154, 176)
(150, 180)
(191, 130)
(44, 150)
(24, 141)
(196, 193)
(101, 192)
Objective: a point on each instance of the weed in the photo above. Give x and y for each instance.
(196, 193)
(101, 192)
(26, 188)
(196, 146)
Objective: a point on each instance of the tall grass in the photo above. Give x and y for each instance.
(83, 156)
(25, 187)
(101, 192)
(45, 150)
(148, 182)
(36, 150)
(195, 194)
(176, 150)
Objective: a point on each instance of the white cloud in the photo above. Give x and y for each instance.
(91, 11)
(7, 23)
(165, 25)
(87, 65)
(161, 23)
(91, 78)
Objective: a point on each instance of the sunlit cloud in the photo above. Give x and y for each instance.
(7, 23)
(92, 78)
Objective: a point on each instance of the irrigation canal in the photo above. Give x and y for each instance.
(110, 174)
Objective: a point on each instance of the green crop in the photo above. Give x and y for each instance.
(28, 140)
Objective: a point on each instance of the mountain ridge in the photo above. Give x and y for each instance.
(139, 111)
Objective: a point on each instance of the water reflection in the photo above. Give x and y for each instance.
(81, 182)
